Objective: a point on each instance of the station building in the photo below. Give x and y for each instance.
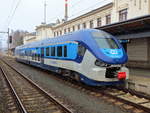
(126, 19)
(29, 37)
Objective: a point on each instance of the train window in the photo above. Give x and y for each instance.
(42, 52)
(52, 51)
(38, 57)
(65, 51)
(59, 51)
(32, 56)
(81, 50)
(47, 51)
(105, 40)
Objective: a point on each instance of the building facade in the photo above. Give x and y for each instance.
(44, 31)
(29, 37)
(116, 11)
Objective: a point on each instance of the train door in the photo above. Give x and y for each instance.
(42, 55)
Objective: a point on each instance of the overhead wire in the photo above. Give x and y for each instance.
(87, 8)
(13, 13)
(8, 17)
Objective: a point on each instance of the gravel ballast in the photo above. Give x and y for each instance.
(79, 100)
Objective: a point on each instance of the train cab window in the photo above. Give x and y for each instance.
(47, 51)
(105, 40)
(59, 51)
(81, 50)
(65, 51)
(52, 51)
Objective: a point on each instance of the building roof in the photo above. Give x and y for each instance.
(50, 25)
(109, 5)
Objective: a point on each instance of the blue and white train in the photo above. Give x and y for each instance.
(90, 56)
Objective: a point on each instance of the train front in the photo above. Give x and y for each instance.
(110, 59)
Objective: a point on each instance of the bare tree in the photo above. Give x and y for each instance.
(17, 39)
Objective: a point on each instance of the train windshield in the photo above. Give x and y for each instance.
(105, 40)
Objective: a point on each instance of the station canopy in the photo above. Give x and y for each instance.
(129, 29)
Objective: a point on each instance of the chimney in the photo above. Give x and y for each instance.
(66, 10)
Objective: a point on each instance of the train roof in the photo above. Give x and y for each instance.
(80, 36)
(86, 38)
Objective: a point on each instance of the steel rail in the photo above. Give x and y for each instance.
(105, 93)
(49, 96)
(17, 99)
(126, 101)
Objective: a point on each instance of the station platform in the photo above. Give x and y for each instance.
(139, 80)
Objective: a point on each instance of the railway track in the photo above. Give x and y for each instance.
(7, 101)
(131, 101)
(29, 97)
(128, 100)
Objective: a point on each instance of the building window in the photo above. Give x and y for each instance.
(52, 51)
(57, 33)
(123, 15)
(64, 31)
(84, 25)
(59, 51)
(135, 2)
(108, 19)
(60, 32)
(91, 24)
(99, 22)
(73, 28)
(68, 29)
(54, 34)
(47, 51)
(140, 4)
(78, 26)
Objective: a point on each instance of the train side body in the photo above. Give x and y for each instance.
(91, 56)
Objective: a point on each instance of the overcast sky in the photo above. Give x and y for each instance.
(30, 13)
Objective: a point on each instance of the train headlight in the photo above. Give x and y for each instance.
(100, 63)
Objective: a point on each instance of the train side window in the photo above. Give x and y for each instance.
(59, 51)
(32, 56)
(42, 52)
(65, 51)
(52, 51)
(38, 57)
(47, 51)
(81, 50)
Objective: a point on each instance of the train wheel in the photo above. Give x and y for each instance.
(77, 77)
